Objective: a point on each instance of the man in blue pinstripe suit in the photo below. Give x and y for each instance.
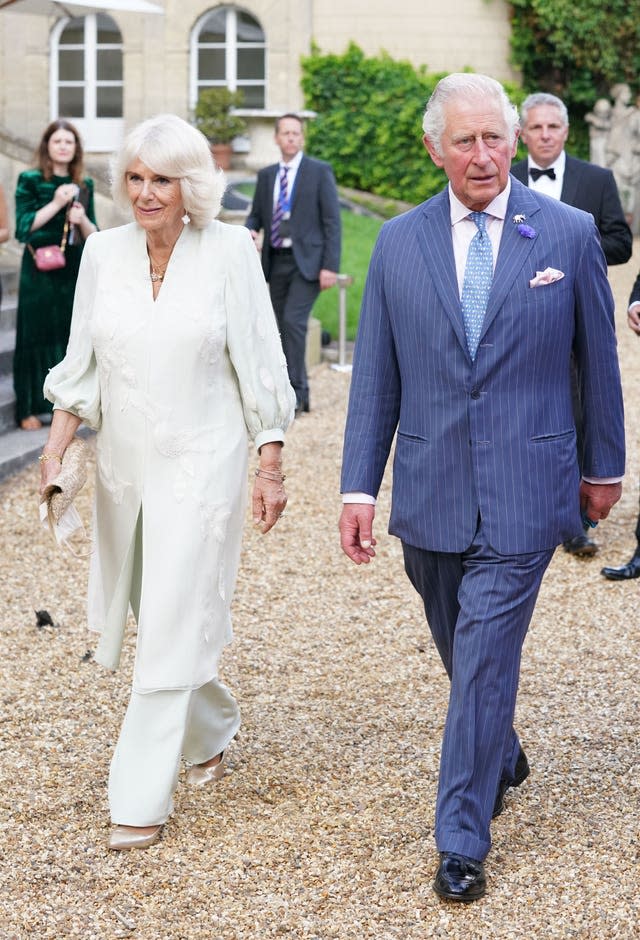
(485, 477)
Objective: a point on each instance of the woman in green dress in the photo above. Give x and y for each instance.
(45, 197)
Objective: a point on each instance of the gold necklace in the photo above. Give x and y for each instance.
(157, 275)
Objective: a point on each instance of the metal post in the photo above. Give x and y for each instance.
(343, 281)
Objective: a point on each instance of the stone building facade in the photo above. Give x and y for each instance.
(108, 71)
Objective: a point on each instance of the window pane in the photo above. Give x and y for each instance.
(73, 33)
(109, 102)
(71, 65)
(253, 96)
(213, 28)
(250, 63)
(108, 31)
(211, 65)
(109, 65)
(71, 102)
(249, 29)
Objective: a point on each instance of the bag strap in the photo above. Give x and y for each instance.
(65, 235)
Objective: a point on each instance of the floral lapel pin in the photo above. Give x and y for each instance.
(525, 230)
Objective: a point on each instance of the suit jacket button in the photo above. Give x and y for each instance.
(475, 393)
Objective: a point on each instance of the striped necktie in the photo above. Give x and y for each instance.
(478, 275)
(280, 209)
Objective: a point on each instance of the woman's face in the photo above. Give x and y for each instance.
(61, 147)
(156, 199)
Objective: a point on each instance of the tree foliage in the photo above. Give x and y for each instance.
(576, 50)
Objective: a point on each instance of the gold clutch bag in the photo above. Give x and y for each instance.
(56, 506)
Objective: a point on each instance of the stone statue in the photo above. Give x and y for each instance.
(600, 124)
(619, 146)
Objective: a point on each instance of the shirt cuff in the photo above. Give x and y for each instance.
(603, 480)
(269, 437)
(359, 498)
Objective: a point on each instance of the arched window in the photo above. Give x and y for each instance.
(228, 48)
(86, 80)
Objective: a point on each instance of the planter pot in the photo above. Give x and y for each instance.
(222, 155)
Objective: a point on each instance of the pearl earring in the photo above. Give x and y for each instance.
(186, 218)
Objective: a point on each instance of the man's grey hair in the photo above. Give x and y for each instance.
(170, 146)
(541, 99)
(465, 85)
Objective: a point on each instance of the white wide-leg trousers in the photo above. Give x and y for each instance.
(159, 728)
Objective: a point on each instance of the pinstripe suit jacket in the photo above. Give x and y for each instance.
(497, 435)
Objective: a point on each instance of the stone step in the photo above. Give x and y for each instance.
(7, 345)
(7, 405)
(19, 448)
(8, 311)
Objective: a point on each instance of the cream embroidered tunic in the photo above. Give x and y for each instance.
(172, 386)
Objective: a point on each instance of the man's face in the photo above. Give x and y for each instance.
(544, 134)
(289, 138)
(476, 151)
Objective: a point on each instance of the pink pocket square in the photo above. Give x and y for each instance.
(548, 276)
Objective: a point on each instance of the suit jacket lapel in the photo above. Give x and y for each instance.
(514, 249)
(434, 236)
(570, 182)
(299, 181)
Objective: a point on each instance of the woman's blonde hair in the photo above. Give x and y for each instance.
(170, 146)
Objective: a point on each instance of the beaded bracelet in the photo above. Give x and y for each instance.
(271, 475)
(44, 457)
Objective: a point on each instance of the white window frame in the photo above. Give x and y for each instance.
(98, 134)
(230, 45)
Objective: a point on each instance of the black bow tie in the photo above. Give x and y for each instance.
(535, 173)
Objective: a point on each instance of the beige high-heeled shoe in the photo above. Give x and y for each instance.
(200, 774)
(123, 838)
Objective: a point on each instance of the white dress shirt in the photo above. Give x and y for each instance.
(543, 184)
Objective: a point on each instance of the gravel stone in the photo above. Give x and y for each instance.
(323, 825)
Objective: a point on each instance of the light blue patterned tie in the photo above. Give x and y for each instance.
(478, 275)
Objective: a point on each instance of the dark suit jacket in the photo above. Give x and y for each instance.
(494, 436)
(635, 293)
(315, 217)
(593, 189)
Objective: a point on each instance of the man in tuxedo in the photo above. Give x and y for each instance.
(548, 169)
(473, 303)
(296, 207)
(632, 569)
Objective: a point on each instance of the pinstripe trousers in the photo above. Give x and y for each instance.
(478, 605)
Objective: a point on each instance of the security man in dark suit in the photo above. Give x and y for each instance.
(296, 207)
(549, 170)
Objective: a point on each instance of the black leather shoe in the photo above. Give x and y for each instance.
(626, 572)
(521, 774)
(581, 545)
(459, 878)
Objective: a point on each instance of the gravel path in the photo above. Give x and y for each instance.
(323, 826)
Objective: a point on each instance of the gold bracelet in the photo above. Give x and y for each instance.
(44, 457)
(271, 475)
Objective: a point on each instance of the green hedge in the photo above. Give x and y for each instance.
(369, 123)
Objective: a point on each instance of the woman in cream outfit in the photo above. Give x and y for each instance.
(173, 357)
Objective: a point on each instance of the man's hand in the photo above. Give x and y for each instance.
(356, 532)
(327, 279)
(633, 318)
(596, 499)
